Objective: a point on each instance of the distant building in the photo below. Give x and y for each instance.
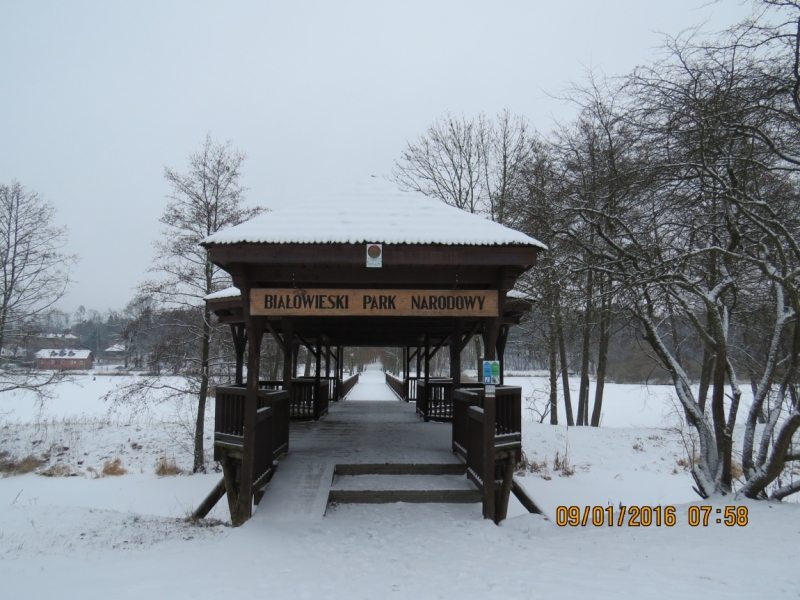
(56, 341)
(14, 352)
(115, 354)
(62, 359)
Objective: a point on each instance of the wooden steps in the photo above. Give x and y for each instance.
(387, 483)
(455, 468)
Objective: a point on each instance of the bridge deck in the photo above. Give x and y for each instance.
(353, 432)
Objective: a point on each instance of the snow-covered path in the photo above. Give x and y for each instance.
(372, 386)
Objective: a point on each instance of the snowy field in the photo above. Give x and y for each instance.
(86, 536)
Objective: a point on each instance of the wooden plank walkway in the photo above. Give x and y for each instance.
(360, 432)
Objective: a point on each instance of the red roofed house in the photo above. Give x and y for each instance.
(64, 359)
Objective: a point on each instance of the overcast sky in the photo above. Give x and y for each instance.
(96, 98)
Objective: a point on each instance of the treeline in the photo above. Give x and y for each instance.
(670, 208)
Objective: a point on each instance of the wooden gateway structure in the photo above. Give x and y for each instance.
(374, 267)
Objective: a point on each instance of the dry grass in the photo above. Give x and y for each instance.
(687, 463)
(12, 466)
(527, 465)
(167, 467)
(113, 468)
(561, 463)
(58, 470)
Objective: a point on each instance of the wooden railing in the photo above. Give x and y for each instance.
(332, 384)
(411, 392)
(272, 426)
(435, 401)
(306, 403)
(348, 384)
(397, 385)
(308, 400)
(508, 415)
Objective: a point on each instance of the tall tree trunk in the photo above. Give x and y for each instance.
(602, 358)
(705, 379)
(676, 348)
(583, 393)
(724, 443)
(551, 343)
(562, 349)
(199, 427)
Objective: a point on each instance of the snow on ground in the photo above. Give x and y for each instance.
(123, 537)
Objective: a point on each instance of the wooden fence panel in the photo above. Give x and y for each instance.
(396, 384)
(263, 459)
(348, 384)
(475, 446)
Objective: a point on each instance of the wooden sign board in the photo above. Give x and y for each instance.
(365, 303)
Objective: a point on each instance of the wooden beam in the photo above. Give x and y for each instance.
(309, 347)
(438, 346)
(469, 335)
(275, 336)
(210, 501)
(394, 255)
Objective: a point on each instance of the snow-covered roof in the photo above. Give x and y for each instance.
(376, 211)
(519, 294)
(13, 352)
(59, 336)
(116, 348)
(231, 292)
(64, 353)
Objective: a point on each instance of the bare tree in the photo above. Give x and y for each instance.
(506, 150)
(35, 275)
(445, 163)
(205, 199)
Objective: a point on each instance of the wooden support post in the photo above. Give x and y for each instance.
(229, 473)
(255, 333)
(288, 354)
(427, 375)
(490, 330)
(455, 353)
(405, 373)
(210, 501)
(337, 373)
(502, 338)
(239, 344)
(318, 380)
(504, 492)
(419, 358)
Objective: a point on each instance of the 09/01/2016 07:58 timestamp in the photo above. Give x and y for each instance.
(646, 516)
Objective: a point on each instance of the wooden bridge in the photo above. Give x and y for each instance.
(424, 277)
